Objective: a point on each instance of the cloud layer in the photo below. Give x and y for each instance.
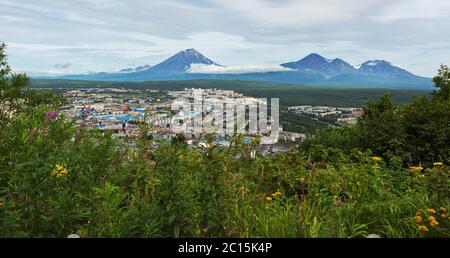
(63, 66)
(215, 69)
(106, 35)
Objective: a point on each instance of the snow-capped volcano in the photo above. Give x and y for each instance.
(382, 67)
(181, 62)
(313, 69)
(313, 61)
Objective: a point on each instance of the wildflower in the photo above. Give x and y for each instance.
(418, 219)
(438, 164)
(51, 115)
(442, 209)
(431, 218)
(276, 194)
(423, 229)
(59, 170)
(376, 159)
(419, 212)
(443, 216)
(431, 211)
(416, 169)
(340, 203)
(434, 223)
(2, 203)
(268, 199)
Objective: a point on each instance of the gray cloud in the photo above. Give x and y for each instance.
(62, 66)
(107, 35)
(214, 69)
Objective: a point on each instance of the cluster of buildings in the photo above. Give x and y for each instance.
(343, 115)
(118, 110)
(122, 110)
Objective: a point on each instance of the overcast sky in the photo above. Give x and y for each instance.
(78, 36)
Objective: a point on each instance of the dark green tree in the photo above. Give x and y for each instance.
(12, 88)
(442, 81)
(15, 97)
(427, 123)
(380, 128)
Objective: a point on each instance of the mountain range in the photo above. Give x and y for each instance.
(310, 70)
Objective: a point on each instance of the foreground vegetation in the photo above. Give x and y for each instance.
(388, 176)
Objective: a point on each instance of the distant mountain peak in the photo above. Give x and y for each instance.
(316, 62)
(375, 62)
(382, 67)
(313, 69)
(191, 50)
(339, 66)
(181, 61)
(315, 56)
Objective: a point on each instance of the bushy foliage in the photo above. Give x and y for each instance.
(418, 132)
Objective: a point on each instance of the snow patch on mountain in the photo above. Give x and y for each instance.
(372, 63)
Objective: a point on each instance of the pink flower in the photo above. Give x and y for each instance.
(51, 115)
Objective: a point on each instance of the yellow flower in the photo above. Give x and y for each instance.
(418, 219)
(434, 223)
(431, 211)
(60, 170)
(442, 209)
(416, 169)
(438, 164)
(423, 229)
(443, 216)
(2, 203)
(419, 212)
(268, 199)
(376, 158)
(276, 194)
(431, 218)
